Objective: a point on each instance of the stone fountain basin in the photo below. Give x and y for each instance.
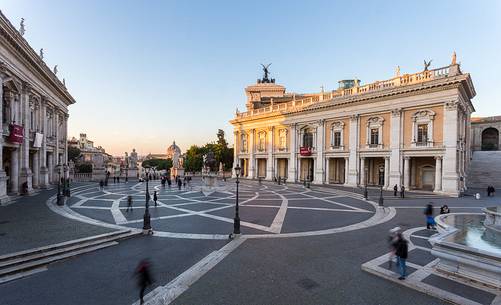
(457, 258)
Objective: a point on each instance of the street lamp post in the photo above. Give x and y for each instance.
(146, 218)
(59, 199)
(366, 193)
(381, 200)
(66, 186)
(236, 220)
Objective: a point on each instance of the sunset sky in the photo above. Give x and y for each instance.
(145, 73)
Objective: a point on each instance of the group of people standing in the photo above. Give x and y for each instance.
(490, 191)
(402, 191)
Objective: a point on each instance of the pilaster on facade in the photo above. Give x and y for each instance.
(250, 148)
(395, 176)
(293, 156)
(353, 158)
(450, 180)
(270, 162)
(319, 176)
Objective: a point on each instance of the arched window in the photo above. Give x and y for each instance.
(337, 135)
(261, 142)
(374, 135)
(422, 128)
(307, 137)
(282, 139)
(243, 142)
(490, 139)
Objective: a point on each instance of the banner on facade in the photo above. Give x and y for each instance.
(16, 133)
(37, 141)
(305, 151)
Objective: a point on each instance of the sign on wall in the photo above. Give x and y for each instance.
(16, 134)
(37, 141)
(305, 151)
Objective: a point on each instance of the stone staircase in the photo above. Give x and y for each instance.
(21, 264)
(485, 169)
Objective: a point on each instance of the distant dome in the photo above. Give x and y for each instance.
(173, 150)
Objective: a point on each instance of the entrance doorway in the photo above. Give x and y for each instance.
(261, 168)
(306, 169)
(336, 170)
(422, 173)
(375, 170)
(490, 139)
(282, 165)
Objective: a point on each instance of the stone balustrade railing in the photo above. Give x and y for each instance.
(398, 81)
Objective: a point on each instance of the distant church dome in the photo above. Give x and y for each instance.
(173, 150)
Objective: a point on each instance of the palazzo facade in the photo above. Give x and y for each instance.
(411, 130)
(34, 117)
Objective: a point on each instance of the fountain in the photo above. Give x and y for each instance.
(469, 246)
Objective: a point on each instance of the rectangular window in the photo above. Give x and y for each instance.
(283, 139)
(422, 133)
(336, 140)
(374, 136)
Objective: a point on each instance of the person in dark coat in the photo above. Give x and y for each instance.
(428, 212)
(179, 183)
(444, 209)
(144, 278)
(155, 197)
(402, 191)
(401, 251)
(129, 203)
(101, 184)
(489, 191)
(395, 190)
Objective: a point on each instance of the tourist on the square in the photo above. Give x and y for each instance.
(129, 203)
(169, 182)
(143, 272)
(101, 185)
(488, 191)
(428, 212)
(444, 209)
(402, 191)
(114, 179)
(155, 197)
(401, 251)
(492, 190)
(118, 179)
(184, 182)
(392, 240)
(179, 183)
(395, 190)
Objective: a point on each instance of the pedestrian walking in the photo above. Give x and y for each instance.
(155, 197)
(428, 212)
(402, 191)
(114, 179)
(129, 203)
(401, 251)
(118, 179)
(101, 185)
(169, 182)
(444, 209)
(392, 240)
(395, 190)
(179, 183)
(184, 182)
(143, 273)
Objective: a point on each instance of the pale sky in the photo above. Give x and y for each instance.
(145, 73)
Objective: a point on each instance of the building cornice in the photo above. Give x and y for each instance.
(24, 51)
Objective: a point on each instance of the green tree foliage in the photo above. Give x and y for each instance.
(194, 155)
(84, 167)
(73, 153)
(160, 164)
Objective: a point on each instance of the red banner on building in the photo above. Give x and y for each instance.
(305, 151)
(16, 134)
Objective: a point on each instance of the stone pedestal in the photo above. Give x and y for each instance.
(98, 174)
(176, 172)
(132, 173)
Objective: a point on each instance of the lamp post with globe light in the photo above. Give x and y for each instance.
(236, 220)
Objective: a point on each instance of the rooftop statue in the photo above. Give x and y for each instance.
(453, 58)
(41, 53)
(22, 30)
(55, 69)
(427, 64)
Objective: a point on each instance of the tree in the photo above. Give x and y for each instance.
(160, 164)
(73, 153)
(84, 167)
(194, 158)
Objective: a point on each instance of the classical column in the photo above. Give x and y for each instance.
(3, 175)
(26, 174)
(407, 172)
(327, 170)
(36, 169)
(353, 159)
(14, 170)
(362, 171)
(319, 171)
(269, 150)
(386, 172)
(450, 177)
(251, 154)
(44, 172)
(291, 176)
(395, 177)
(346, 168)
(57, 161)
(235, 152)
(438, 174)
(50, 167)
(65, 145)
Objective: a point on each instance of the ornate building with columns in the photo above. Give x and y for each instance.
(410, 130)
(34, 117)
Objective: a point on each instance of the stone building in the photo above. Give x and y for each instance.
(34, 116)
(485, 133)
(411, 130)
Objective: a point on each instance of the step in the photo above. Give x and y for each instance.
(43, 249)
(56, 251)
(45, 261)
